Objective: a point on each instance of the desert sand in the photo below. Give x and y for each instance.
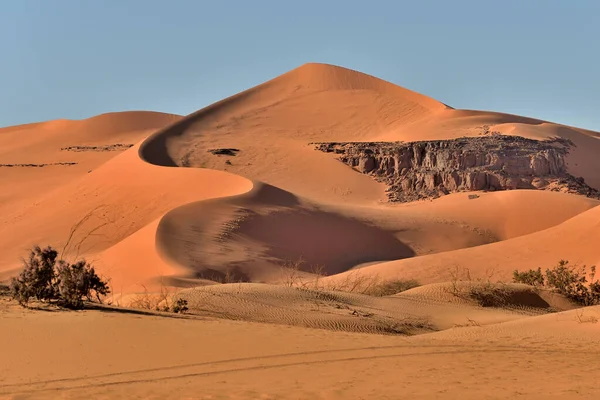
(270, 240)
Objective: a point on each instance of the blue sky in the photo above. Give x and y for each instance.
(78, 58)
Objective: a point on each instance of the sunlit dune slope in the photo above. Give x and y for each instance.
(38, 158)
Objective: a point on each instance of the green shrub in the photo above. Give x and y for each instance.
(531, 277)
(572, 282)
(47, 278)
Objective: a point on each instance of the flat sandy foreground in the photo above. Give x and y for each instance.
(220, 207)
(113, 355)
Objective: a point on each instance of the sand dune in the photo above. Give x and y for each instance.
(235, 192)
(573, 240)
(315, 208)
(123, 196)
(417, 311)
(252, 236)
(44, 143)
(306, 105)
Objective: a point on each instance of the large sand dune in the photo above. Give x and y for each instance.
(235, 192)
(271, 126)
(303, 204)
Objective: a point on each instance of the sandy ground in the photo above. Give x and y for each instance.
(121, 355)
(153, 205)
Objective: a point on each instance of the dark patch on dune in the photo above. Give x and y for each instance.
(37, 165)
(100, 148)
(224, 152)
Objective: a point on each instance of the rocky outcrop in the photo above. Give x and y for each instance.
(224, 152)
(429, 169)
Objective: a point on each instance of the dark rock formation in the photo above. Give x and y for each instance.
(105, 147)
(224, 152)
(429, 169)
(37, 165)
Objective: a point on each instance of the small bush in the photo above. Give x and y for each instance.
(78, 281)
(165, 301)
(390, 288)
(37, 278)
(567, 280)
(180, 306)
(488, 294)
(531, 277)
(47, 278)
(4, 290)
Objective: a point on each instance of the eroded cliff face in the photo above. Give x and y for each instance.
(429, 169)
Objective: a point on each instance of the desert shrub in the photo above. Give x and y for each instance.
(392, 287)
(78, 281)
(570, 281)
(153, 301)
(165, 300)
(47, 278)
(37, 278)
(488, 294)
(531, 277)
(180, 306)
(4, 289)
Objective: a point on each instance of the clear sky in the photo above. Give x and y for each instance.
(78, 58)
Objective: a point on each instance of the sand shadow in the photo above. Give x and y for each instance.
(330, 240)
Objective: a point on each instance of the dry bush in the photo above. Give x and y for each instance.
(389, 288)
(164, 300)
(592, 319)
(407, 326)
(354, 282)
(180, 306)
(78, 281)
(484, 291)
(489, 294)
(47, 278)
(294, 276)
(572, 282)
(470, 322)
(160, 301)
(4, 290)
(38, 278)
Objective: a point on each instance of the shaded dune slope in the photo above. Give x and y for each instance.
(251, 237)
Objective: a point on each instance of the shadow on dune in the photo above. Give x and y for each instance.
(266, 228)
(266, 195)
(333, 241)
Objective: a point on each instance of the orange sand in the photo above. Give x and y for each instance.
(278, 200)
